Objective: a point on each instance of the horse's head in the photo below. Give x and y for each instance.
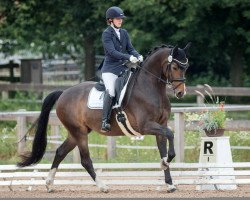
(175, 68)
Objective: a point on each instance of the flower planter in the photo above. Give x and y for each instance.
(215, 132)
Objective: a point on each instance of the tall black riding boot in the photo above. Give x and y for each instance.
(106, 113)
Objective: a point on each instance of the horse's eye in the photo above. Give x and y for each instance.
(175, 68)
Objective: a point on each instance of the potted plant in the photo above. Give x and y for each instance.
(213, 122)
(212, 119)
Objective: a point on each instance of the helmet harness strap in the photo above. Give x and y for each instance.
(111, 21)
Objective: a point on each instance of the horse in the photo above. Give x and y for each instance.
(147, 107)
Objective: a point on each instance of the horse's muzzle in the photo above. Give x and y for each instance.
(179, 93)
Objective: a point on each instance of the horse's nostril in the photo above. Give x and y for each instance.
(179, 94)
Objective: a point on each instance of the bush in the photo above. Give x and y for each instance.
(8, 143)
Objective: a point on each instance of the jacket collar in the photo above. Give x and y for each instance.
(112, 31)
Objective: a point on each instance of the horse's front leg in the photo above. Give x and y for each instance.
(159, 130)
(170, 136)
(162, 146)
(162, 135)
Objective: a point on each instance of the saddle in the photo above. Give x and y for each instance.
(121, 82)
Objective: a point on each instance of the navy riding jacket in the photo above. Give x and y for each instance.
(117, 51)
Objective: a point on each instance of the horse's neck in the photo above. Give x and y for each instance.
(147, 92)
(152, 69)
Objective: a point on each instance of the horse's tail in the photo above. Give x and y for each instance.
(40, 129)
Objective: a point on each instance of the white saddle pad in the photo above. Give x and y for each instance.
(95, 99)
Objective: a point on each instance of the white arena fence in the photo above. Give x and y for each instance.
(23, 117)
(128, 174)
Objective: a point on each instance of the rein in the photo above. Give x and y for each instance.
(131, 88)
(159, 78)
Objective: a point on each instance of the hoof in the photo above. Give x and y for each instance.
(29, 188)
(104, 189)
(171, 188)
(49, 183)
(49, 190)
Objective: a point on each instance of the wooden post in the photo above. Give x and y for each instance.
(11, 68)
(55, 131)
(111, 147)
(76, 155)
(5, 95)
(31, 72)
(21, 131)
(179, 125)
(200, 99)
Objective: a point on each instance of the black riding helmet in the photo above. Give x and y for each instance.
(114, 12)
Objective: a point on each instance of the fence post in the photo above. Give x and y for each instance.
(76, 155)
(5, 95)
(11, 68)
(111, 147)
(21, 131)
(55, 131)
(200, 99)
(179, 125)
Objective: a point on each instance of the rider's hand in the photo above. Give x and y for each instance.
(133, 59)
(140, 58)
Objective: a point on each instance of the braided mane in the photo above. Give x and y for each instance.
(151, 51)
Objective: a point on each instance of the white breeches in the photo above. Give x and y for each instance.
(109, 82)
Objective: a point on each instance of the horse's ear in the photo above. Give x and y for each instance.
(187, 47)
(175, 51)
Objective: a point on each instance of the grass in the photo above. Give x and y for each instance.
(8, 154)
(24, 100)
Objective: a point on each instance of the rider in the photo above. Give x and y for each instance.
(118, 49)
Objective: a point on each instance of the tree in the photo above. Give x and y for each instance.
(54, 27)
(218, 30)
(220, 33)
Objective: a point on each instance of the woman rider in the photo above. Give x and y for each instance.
(117, 49)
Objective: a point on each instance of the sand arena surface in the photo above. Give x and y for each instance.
(134, 191)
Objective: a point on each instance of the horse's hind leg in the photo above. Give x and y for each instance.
(87, 163)
(68, 145)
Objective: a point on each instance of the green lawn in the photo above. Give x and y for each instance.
(8, 154)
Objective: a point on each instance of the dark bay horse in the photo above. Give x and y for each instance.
(147, 107)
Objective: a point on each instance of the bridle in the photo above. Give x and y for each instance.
(167, 70)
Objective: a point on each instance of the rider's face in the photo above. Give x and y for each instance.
(117, 22)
